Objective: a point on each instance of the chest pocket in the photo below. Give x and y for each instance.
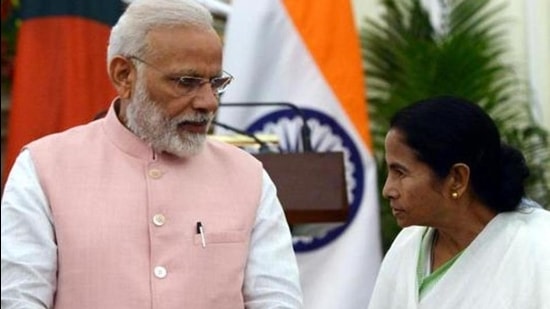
(219, 238)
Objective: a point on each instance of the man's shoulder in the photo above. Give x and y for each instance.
(72, 136)
(230, 156)
(217, 146)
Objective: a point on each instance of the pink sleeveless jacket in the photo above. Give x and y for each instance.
(126, 222)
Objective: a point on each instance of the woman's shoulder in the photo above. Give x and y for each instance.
(533, 224)
(532, 213)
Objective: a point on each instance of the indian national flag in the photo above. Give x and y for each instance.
(307, 53)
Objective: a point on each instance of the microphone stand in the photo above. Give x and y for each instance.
(305, 131)
(264, 148)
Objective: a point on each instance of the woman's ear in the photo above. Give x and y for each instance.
(459, 179)
(122, 74)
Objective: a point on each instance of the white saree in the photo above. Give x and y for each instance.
(507, 266)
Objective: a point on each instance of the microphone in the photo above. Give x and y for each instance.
(264, 148)
(305, 131)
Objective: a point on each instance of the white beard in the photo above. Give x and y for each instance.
(149, 122)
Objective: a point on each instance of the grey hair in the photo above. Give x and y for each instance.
(128, 36)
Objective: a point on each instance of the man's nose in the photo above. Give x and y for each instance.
(206, 98)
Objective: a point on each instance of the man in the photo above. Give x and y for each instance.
(139, 209)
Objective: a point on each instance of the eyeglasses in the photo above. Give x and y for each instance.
(185, 85)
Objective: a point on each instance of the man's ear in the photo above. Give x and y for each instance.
(122, 74)
(459, 180)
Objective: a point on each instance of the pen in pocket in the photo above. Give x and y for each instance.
(200, 230)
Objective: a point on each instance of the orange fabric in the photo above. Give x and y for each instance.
(60, 78)
(328, 30)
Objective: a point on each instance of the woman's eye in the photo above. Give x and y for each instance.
(397, 172)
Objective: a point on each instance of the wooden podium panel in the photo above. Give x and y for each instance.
(311, 186)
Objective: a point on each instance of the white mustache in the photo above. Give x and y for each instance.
(194, 118)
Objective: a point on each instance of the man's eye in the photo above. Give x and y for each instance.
(189, 82)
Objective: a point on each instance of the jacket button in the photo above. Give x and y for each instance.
(159, 219)
(160, 272)
(155, 173)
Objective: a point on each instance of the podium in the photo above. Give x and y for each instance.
(311, 186)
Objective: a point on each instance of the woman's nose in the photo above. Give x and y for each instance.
(387, 190)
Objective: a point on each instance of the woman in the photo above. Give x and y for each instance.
(469, 238)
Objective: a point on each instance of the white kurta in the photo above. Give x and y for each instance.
(507, 266)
